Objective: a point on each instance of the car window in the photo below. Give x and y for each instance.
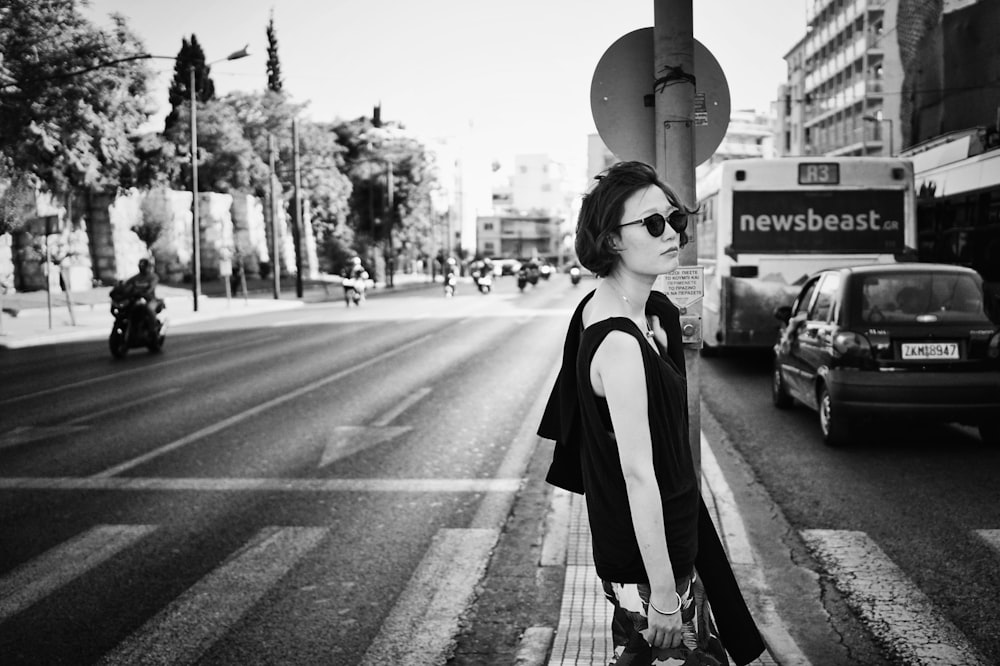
(903, 297)
(825, 297)
(805, 298)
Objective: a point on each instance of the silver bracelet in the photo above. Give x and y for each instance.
(673, 612)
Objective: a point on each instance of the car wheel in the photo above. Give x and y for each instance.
(779, 394)
(989, 432)
(832, 423)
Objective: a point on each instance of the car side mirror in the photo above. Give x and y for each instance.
(783, 313)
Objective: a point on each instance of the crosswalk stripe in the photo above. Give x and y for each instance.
(38, 578)
(184, 630)
(422, 625)
(898, 614)
(991, 537)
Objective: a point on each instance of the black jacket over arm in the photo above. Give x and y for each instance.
(562, 422)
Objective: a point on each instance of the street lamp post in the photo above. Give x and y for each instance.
(195, 217)
(879, 119)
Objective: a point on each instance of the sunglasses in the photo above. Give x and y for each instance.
(656, 223)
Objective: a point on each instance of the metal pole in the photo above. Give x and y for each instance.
(195, 221)
(389, 214)
(297, 228)
(275, 262)
(891, 151)
(673, 52)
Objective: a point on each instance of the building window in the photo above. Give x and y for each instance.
(488, 226)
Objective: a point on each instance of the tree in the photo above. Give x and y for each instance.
(70, 94)
(17, 197)
(370, 152)
(274, 82)
(227, 161)
(179, 95)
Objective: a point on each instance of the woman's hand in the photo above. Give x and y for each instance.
(663, 631)
(658, 333)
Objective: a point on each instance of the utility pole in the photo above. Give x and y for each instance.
(195, 216)
(297, 227)
(674, 94)
(390, 213)
(275, 261)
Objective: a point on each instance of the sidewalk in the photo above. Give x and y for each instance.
(583, 637)
(91, 309)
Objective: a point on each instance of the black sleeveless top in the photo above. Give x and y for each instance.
(616, 550)
(563, 422)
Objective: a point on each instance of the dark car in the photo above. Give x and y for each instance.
(894, 340)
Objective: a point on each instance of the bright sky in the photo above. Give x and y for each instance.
(518, 71)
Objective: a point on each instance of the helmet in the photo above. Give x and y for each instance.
(356, 261)
(144, 264)
(451, 261)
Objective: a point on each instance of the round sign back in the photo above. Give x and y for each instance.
(622, 80)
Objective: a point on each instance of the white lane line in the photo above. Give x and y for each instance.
(135, 371)
(503, 486)
(991, 537)
(253, 411)
(421, 625)
(122, 406)
(722, 506)
(900, 617)
(183, 631)
(405, 404)
(36, 579)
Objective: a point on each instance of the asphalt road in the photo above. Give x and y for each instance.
(327, 485)
(924, 495)
(316, 486)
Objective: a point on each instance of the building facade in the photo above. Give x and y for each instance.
(845, 79)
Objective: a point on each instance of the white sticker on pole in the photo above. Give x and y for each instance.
(685, 286)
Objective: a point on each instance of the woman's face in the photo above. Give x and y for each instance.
(640, 252)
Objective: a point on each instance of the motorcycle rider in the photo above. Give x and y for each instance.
(143, 285)
(355, 277)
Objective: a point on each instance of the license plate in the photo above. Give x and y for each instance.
(920, 351)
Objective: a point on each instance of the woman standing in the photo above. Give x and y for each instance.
(619, 415)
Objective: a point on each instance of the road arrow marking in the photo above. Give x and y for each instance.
(348, 440)
(405, 404)
(30, 433)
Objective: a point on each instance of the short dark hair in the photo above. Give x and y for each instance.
(603, 207)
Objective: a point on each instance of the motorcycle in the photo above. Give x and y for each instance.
(522, 278)
(132, 327)
(574, 275)
(450, 282)
(484, 282)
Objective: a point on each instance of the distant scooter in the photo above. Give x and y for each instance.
(450, 282)
(484, 282)
(522, 278)
(574, 275)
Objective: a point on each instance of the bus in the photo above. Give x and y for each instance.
(765, 224)
(957, 180)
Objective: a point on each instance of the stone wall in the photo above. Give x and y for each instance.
(103, 245)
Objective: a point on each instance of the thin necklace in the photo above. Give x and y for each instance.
(621, 292)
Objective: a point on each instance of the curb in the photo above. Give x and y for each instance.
(580, 638)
